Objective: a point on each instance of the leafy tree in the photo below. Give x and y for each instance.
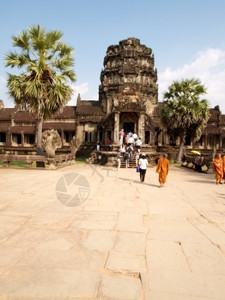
(183, 113)
(46, 65)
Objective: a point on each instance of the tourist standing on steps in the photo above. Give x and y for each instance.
(118, 157)
(121, 135)
(123, 150)
(98, 147)
(130, 150)
(138, 144)
(126, 159)
(131, 140)
(143, 163)
(135, 136)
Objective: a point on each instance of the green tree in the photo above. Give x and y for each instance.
(183, 113)
(46, 65)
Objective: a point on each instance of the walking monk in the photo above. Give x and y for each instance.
(163, 169)
(218, 168)
(223, 159)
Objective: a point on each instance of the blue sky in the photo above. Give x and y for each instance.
(187, 38)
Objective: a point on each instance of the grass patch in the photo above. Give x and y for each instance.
(80, 160)
(18, 164)
(175, 164)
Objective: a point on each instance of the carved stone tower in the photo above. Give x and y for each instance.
(129, 87)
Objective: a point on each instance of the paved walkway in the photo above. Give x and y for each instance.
(86, 232)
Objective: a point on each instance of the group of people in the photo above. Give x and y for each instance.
(219, 168)
(199, 159)
(130, 145)
(130, 138)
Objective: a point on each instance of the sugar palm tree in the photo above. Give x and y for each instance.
(183, 112)
(46, 65)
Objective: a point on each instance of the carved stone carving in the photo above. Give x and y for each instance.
(50, 142)
(1, 104)
(129, 71)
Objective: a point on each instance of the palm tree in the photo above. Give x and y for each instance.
(183, 113)
(46, 65)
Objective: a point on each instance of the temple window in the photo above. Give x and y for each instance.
(16, 139)
(68, 135)
(101, 135)
(2, 137)
(29, 139)
(147, 137)
(109, 134)
(187, 140)
(86, 136)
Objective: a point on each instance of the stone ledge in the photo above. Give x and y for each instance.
(49, 163)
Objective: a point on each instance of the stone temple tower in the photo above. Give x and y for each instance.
(128, 88)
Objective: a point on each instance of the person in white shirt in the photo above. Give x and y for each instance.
(143, 163)
(98, 147)
(135, 136)
(138, 144)
(130, 140)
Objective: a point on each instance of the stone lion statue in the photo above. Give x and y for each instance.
(50, 142)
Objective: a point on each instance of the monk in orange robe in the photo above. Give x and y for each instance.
(223, 159)
(163, 169)
(218, 168)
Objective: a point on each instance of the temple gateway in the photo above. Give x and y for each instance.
(128, 99)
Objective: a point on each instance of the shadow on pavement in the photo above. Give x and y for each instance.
(138, 182)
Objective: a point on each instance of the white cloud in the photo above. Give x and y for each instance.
(81, 89)
(78, 89)
(209, 67)
(4, 93)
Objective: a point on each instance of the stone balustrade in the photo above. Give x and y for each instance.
(41, 161)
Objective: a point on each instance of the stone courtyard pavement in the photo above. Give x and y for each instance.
(87, 232)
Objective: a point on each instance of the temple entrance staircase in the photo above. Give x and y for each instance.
(109, 151)
(132, 162)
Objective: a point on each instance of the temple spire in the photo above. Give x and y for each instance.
(78, 99)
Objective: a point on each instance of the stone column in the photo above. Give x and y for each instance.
(62, 136)
(97, 136)
(160, 138)
(152, 137)
(165, 138)
(8, 139)
(221, 142)
(22, 138)
(141, 126)
(206, 142)
(116, 128)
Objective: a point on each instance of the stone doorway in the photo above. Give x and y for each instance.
(128, 127)
(129, 121)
